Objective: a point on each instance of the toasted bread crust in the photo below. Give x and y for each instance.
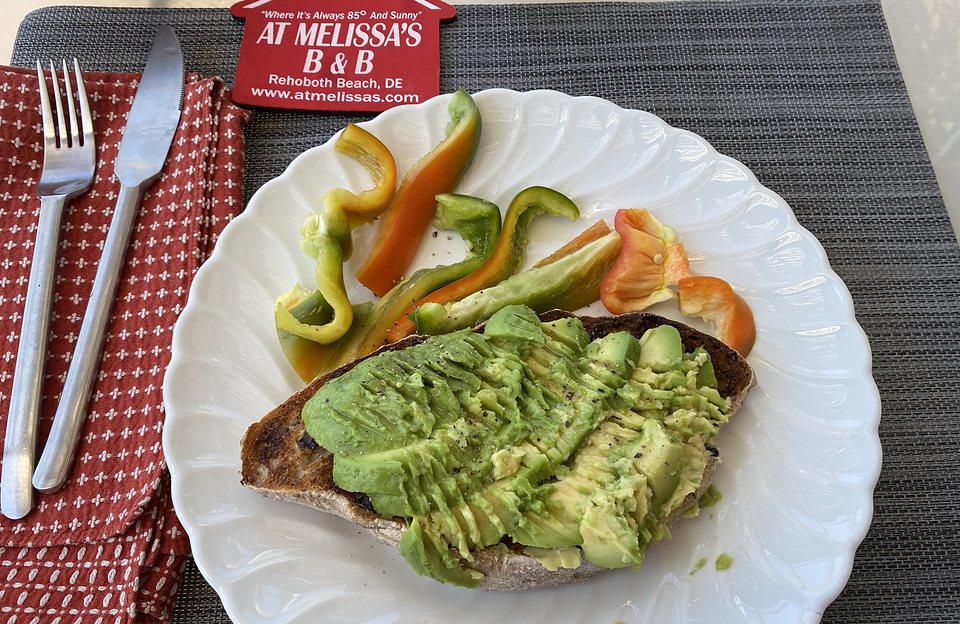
(279, 460)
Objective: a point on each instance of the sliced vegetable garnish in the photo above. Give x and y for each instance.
(323, 316)
(570, 281)
(414, 204)
(506, 257)
(319, 240)
(308, 307)
(596, 231)
(478, 222)
(715, 301)
(370, 152)
(651, 262)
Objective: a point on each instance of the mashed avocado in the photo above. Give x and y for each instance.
(698, 566)
(528, 431)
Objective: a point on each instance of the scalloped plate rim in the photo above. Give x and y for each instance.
(194, 306)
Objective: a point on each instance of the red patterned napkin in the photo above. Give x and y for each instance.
(108, 546)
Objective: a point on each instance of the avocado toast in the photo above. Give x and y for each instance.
(550, 492)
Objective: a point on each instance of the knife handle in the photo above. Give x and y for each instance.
(58, 452)
(20, 440)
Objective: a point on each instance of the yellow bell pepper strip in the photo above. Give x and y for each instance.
(478, 222)
(507, 256)
(320, 240)
(414, 204)
(575, 277)
(370, 152)
(308, 358)
(650, 263)
(715, 301)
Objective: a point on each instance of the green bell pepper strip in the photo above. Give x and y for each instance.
(478, 222)
(573, 280)
(506, 257)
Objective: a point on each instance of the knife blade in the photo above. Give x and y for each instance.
(147, 137)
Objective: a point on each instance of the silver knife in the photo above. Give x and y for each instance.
(147, 138)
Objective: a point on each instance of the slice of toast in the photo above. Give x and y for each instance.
(280, 460)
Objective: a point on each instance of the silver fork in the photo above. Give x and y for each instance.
(69, 160)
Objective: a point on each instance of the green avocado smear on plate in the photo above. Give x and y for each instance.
(528, 431)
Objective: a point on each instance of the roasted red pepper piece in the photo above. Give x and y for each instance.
(507, 255)
(651, 261)
(715, 301)
(413, 206)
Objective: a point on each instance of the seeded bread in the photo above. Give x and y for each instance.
(280, 460)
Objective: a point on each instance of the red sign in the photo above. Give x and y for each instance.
(339, 55)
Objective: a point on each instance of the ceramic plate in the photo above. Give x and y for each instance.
(800, 460)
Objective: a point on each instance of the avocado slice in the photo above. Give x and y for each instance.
(516, 324)
(429, 558)
(612, 358)
(608, 538)
(658, 455)
(706, 376)
(661, 349)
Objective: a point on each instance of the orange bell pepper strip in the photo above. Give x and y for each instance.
(414, 204)
(506, 257)
(729, 316)
(651, 262)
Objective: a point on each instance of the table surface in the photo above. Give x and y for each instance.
(925, 33)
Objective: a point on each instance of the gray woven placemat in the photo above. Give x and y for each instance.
(809, 96)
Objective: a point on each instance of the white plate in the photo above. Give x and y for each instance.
(800, 460)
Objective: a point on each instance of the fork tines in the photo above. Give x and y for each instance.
(71, 131)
